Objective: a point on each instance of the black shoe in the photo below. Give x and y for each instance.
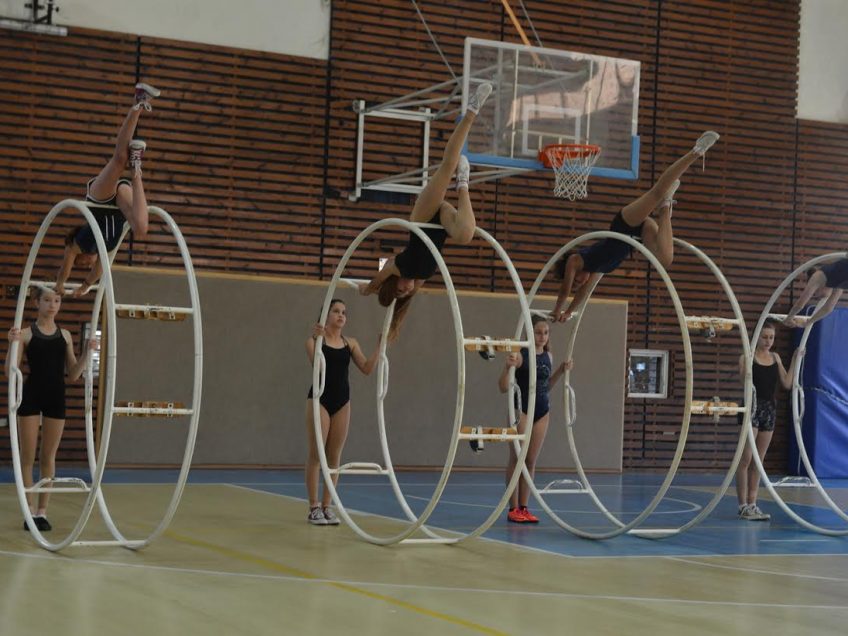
(42, 524)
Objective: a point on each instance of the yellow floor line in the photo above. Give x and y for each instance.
(285, 569)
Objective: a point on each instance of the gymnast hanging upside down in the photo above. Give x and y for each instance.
(404, 273)
(109, 189)
(580, 269)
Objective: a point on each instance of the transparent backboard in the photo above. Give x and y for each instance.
(546, 96)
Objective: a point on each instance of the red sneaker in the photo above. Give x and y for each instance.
(516, 515)
(529, 517)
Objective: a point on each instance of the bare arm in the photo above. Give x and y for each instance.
(67, 266)
(389, 269)
(582, 293)
(512, 360)
(560, 370)
(317, 330)
(816, 282)
(827, 307)
(573, 265)
(366, 365)
(22, 337)
(73, 366)
(786, 377)
(742, 368)
(90, 279)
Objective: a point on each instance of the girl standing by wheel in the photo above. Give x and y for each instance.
(546, 377)
(338, 352)
(50, 354)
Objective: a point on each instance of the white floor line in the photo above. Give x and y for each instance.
(793, 575)
(693, 507)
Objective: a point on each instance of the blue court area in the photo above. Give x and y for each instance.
(470, 496)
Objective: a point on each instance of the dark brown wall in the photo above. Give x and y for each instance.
(237, 146)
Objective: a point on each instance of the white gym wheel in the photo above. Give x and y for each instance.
(318, 370)
(570, 397)
(797, 408)
(738, 322)
(97, 458)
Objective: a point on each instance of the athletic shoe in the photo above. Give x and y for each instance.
(741, 510)
(476, 101)
(41, 523)
(463, 172)
(137, 148)
(316, 517)
(144, 94)
(516, 515)
(529, 517)
(705, 142)
(330, 517)
(752, 513)
(760, 515)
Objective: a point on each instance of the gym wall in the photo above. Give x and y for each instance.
(256, 375)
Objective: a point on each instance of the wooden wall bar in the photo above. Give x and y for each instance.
(237, 155)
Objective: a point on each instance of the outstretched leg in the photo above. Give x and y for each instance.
(135, 210)
(658, 236)
(460, 223)
(635, 213)
(103, 186)
(433, 194)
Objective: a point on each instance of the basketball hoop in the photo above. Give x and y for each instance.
(571, 164)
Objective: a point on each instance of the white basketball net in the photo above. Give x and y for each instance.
(571, 166)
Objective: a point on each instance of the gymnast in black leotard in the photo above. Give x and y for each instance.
(50, 355)
(116, 200)
(581, 268)
(404, 274)
(338, 352)
(829, 280)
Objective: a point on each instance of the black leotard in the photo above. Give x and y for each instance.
(416, 261)
(336, 385)
(543, 377)
(765, 378)
(110, 222)
(836, 273)
(44, 388)
(607, 254)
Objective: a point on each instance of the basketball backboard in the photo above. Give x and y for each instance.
(547, 96)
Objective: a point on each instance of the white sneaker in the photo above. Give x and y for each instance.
(476, 101)
(705, 142)
(144, 93)
(137, 148)
(330, 517)
(760, 515)
(752, 513)
(316, 517)
(463, 172)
